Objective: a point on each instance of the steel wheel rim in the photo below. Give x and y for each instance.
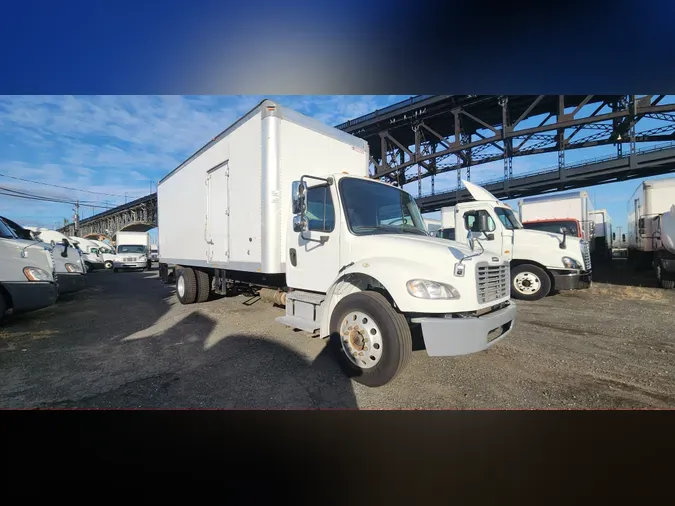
(527, 283)
(108, 265)
(180, 286)
(361, 339)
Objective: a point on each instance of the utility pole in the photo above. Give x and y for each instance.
(77, 218)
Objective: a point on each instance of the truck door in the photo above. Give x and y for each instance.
(312, 263)
(217, 230)
(466, 221)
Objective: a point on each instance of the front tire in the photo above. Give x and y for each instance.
(108, 265)
(186, 285)
(663, 283)
(529, 282)
(370, 339)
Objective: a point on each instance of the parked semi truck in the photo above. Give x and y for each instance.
(540, 261)
(651, 199)
(93, 259)
(27, 275)
(664, 248)
(69, 266)
(133, 251)
(283, 204)
(604, 236)
(550, 213)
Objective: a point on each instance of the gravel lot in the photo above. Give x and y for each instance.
(126, 342)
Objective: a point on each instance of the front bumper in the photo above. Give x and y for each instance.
(578, 280)
(130, 265)
(71, 282)
(31, 295)
(462, 336)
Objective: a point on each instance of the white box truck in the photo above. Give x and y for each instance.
(283, 203)
(605, 236)
(132, 251)
(541, 261)
(27, 274)
(651, 199)
(550, 213)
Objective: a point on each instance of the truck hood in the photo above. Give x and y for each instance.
(408, 247)
(544, 247)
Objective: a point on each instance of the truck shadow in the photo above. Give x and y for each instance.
(619, 271)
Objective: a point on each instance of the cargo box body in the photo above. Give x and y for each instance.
(228, 206)
(650, 199)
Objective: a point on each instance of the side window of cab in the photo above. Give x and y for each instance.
(320, 210)
(471, 220)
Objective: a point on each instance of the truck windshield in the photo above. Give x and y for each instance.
(554, 227)
(508, 218)
(5, 231)
(130, 249)
(375, 208)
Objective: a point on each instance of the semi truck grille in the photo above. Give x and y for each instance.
(492, 282)
(586, 254)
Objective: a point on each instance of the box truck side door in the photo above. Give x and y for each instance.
(312, 264)
(217, 229)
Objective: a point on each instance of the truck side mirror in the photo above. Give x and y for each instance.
(483, 223)
(623, 237)
(299, 193)
(614, 236)
(299, 223)
(641, 223)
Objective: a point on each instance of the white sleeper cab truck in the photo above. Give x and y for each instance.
(107, 252)
(68, 264)
(540, 261)
(133, 250)
(652, 198)
(283, 203)
(93, 259)
(27, 277)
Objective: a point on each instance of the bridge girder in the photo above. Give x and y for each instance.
(438, 134)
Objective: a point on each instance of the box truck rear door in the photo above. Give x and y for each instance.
(218, 214)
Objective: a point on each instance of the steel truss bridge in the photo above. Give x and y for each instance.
(428, 135)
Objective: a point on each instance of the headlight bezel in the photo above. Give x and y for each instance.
(571, 263)
(35, 274)
(420, 289)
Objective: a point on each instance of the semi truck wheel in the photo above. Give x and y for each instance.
(203, 285)
(371, 341)
(663, 283)
(186, 285)
(108, 265)
(529, 282)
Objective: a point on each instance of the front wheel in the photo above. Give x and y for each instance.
(371, 340)
(663, 283)
(108, 265)
(529, 282)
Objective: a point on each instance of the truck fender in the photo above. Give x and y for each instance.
(366, 275)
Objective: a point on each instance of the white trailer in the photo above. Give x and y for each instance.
(447, 230)
(549, 213)
(282, 204)
(652, 198)
(432, 225)
(605, 236)
(132, 251)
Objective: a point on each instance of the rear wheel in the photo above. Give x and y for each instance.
(529, 282)
(203, 285)
(186, 285)
(371, 340)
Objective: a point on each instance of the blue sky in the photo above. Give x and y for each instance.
(123, 145)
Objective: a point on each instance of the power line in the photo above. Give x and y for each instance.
(23, 195)
(59, 186)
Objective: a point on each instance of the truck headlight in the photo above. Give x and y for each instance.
(571, 263)
(425, 289)
(73, 268)
(35, 274)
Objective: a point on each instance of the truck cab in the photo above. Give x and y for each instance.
(27, 276)
(68, 263)
(540, 261)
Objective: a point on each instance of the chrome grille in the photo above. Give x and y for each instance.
(586, 254)
(492, 282)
